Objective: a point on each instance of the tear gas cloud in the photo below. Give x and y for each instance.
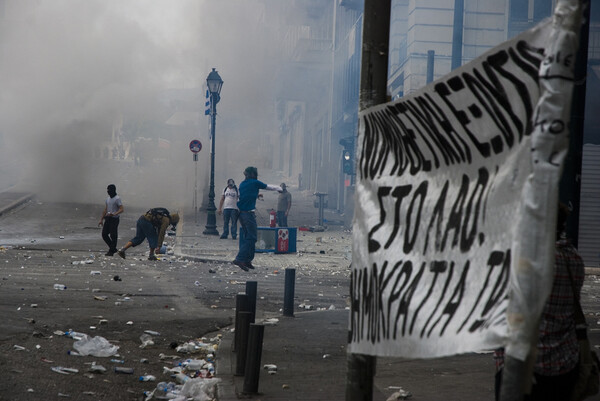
(79, 77)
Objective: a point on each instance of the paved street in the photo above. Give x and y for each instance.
(187, 296)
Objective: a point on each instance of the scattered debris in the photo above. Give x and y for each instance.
(401, 394)
(64, 371)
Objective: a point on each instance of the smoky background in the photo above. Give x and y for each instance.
(77, 76)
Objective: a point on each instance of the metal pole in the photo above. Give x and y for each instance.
(430, 65)
(211, 218)
(251, 293)
(196, 188)
(288, 293)
(373, 91)
(253, 357)
(241, 305)
(457, 33)
(320, 209)
(242, 350)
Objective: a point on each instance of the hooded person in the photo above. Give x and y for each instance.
(249, 192)
(152, 226)
(113, 207)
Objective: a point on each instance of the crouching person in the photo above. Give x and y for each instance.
(152, 226)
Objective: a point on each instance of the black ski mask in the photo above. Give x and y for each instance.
(112, 190)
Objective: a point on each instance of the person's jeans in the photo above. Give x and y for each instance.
(230, 215)
(144, 229)
(281, 219)
(110, 232)
(248, 242)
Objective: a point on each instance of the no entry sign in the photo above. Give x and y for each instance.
(195, 146)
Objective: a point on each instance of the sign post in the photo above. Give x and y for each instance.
(195, 147)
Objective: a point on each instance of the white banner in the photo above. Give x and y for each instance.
(443, 178)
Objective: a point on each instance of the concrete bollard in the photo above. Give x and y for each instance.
(253, 358)
(288, 294)
(241, 305)
(251, 291)
(241, 354)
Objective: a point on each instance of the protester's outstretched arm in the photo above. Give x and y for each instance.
(274, 188)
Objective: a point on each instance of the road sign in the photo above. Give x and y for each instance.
(195, 146)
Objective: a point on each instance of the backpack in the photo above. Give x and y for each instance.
(157, 213)
(234, 187)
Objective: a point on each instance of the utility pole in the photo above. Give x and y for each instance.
(373, 91)
(570, 183)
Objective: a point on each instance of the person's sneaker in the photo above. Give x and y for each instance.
(241, 265)
(109, 253)
(152, 257)
(234, 238)
(223, 237)
(249, 265)
(121, 253)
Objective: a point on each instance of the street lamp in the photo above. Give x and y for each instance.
(214, 83)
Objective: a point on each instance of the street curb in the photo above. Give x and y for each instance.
(16, 203)
(592, 271)
(224, 370)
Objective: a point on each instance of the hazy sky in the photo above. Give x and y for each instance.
(64, 62)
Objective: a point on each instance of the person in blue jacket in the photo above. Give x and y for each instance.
(247, 205)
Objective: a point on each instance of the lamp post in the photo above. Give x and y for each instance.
(214, 83)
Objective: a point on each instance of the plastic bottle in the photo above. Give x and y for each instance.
(181, 378)
(127, 371)
(147, 378)
(166, 388)
(75, 335)
(60, 287)
(194, 364)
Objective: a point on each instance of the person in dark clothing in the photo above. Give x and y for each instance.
(247, 204)
(113, 207)
(556, 366)
(151, 225)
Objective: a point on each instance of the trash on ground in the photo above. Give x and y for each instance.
(64, 371)
(146, 340)
(195, 347)
(271, 369)
(95, 346)
(97, 368)
(401, 394)
(123, 370)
